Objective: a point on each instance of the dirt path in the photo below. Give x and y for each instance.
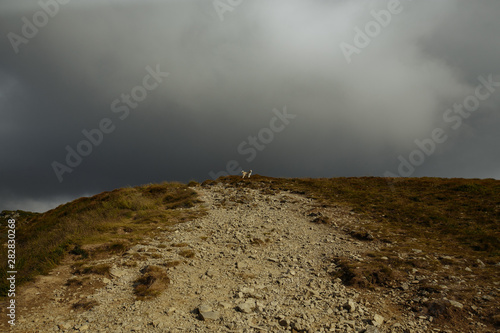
(259, 265)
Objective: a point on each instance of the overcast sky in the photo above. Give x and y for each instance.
(182, 90)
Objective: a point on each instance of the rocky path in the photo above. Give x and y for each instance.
(259, 265)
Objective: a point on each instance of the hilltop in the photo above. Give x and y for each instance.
(265, 254)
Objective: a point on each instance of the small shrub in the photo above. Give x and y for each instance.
(469, 188)
(367, 275)
(209, 182)
(101, 269)
(77, 250)
(130, 263)
(84, 304)
(247, 276)
(153, 281)
(193, 183)
(172, 263)
(257, 241)
(74, 282)
(187, 253)
(117, 247)
(180, 245)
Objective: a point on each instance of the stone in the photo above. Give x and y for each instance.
(170, 310)
(241, 265)
(204, 308)
(226, 305)
(210, 315)
(377, 320)
(247, 290)
(246, 307)
(283, 322)
(65, 326)
(210, 273)
(350, 305)
(456, 304)
(117, 272)
(372, 329)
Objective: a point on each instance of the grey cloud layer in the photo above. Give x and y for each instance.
(225, 79)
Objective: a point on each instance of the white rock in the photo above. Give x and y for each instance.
(377, 320)
(456, 304)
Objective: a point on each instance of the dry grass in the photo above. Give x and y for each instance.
(101, 269)
(84, 305)
(172, 263)
(187, 253)
(453, 211)
(180, 245)
(115, 220)
(75, 282)
(259, 242)
(246, 276)
(452, 223)
(153, 282)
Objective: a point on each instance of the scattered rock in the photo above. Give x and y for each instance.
(350, 305)
(209, 315)
(377, 320)
(280, 283)
(372, 329)
(247, 307)
(204, 308)
(241, 265)
(456, 304)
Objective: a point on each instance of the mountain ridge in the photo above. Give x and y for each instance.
(382, 268)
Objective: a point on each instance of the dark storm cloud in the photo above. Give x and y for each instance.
(226, 77)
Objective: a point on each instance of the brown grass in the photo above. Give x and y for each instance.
(172, 263)
(180, 245)
(453, 222)
(116, 220)
(101, 269)
(462, 211)
(153, 282)
(84, 305)
(187, 253)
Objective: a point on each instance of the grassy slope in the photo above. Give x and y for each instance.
(452, 222)
(463, 211)
(443, 217)
(112, 219)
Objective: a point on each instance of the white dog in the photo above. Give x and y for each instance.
(246, 174)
